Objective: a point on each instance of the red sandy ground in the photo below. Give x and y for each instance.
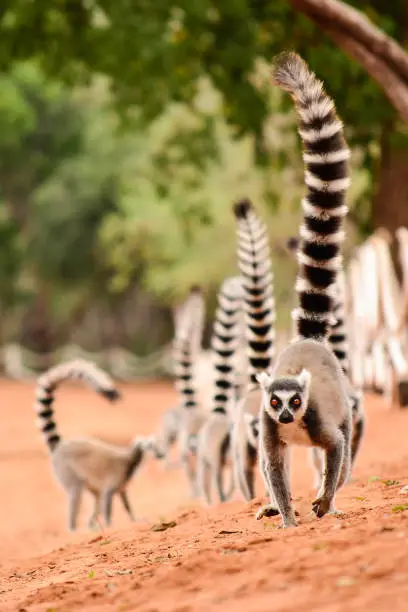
(213, 559)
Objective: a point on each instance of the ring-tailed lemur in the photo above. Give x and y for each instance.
(87, 463)
(172, 417)
(214, 437)
(305, 400)
(338, 341)
(189, 324)
(259, 309)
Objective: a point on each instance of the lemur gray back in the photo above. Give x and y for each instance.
(78, 369)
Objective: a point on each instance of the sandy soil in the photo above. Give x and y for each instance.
(212, 559)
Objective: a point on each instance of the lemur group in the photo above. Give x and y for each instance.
(301, 396)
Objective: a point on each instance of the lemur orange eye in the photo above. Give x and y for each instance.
(296, 401)
(274, 402)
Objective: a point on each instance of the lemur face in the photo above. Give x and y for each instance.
(285, 399)
(285, 403)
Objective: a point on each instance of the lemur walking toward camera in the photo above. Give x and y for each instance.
(338, 341)
(87, 463)
(259, 313)
(305, 399)
(214, 439)
(189, 324)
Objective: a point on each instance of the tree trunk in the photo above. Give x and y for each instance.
(390, 206)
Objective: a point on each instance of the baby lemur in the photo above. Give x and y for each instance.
(214, 441)
(305, 399)
(87, 463)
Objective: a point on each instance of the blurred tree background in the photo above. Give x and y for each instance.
(126, 132)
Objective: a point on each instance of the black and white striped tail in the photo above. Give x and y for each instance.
(325, 156)
(189, 321)
(255, 267)
(79, 369)
(338, 336)
(225, 340)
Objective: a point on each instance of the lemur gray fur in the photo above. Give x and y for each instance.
(338, 341)
(172, 417)
(189, 321)
(169, 431)
(259, 313)
(305, 400)
(87, 463)
(214, 439)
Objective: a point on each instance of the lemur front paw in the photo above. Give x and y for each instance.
(267, 511)
(321, 506)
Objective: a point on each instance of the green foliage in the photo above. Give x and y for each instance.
(174, 214)
(175, 224)
(91, 208)
(59, 160)
(156, 52)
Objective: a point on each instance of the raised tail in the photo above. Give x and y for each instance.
(189, 323)
(224, 341)
(79, 369)
(338, 335)
(255, 267)
(325, 156)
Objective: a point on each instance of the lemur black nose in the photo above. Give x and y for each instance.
(286, 417)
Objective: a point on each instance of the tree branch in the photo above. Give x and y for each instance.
(393, 86)
(351, 22)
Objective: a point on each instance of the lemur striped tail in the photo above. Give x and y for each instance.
(79, 369)
(189, 321)
(338, 336)
(255, 267)
(327, 178)
(224, 341)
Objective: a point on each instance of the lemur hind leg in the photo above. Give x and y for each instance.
(95, 513)
(203, 479)
(275, 469)
(334, 475)
(126, 504)
(74, 501)
(106, 502)
(190, 468)
(317, 457)
(358, 432)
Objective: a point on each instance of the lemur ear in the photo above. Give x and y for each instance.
(264, 379)
(304, 379)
